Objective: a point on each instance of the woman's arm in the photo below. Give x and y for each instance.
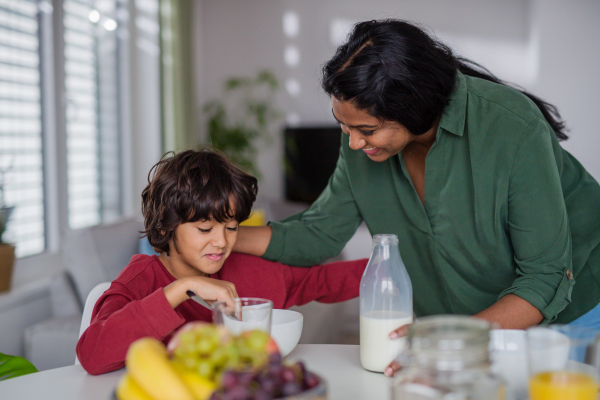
(538, 228)
(512, 312)
(253, 240)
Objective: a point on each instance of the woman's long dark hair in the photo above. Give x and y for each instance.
(398, 72)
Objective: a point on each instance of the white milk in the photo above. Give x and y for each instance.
(253, 317)
(377, 350)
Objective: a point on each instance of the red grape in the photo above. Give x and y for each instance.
(273, 381)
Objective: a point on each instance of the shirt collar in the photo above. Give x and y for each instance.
(453, 118)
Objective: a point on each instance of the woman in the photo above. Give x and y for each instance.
(494, 218)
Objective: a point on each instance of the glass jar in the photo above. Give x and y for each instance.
(385, 304)
(447, 359)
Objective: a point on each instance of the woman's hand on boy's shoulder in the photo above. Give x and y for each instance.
(207, 288)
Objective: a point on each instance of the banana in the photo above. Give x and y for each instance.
(128, 389)
(201, 387)
(150, 368)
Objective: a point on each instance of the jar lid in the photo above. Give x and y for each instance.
(449, 342)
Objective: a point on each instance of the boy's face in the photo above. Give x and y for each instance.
(202, 247)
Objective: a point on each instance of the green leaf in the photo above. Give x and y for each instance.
(4, 216)
(234, 83)
(267, 77)
(244, 113)
(13, 366)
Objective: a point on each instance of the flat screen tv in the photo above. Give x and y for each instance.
(310, 157)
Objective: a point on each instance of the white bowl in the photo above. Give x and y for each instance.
(286, 328)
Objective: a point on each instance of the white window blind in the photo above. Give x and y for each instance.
(91, 72)
(83, 164)
(20, 125)
(92, 54)
(108, 47)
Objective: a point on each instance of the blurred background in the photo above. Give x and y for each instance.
(93, 92)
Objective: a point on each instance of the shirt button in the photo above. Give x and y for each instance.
(569, 274)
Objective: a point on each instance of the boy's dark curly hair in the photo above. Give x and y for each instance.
(192, 186)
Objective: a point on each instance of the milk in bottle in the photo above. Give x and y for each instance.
(385, 304)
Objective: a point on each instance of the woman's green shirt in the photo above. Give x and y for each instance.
(507, 210)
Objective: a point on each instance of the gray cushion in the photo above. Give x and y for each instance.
(51, 343)
(82, 261)
(116, 243)
(63, 296)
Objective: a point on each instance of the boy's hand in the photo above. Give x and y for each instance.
(207, 288)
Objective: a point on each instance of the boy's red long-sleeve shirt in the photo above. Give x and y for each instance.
(135, 305)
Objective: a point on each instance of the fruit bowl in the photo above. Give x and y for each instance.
(286, 329)
(318, 392)
(205, 361)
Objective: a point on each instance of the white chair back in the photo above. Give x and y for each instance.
(90, 302)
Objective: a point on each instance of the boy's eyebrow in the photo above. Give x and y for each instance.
(354, 126)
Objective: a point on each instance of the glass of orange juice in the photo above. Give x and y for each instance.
(563, 363)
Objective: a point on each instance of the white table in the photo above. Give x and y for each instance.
(338, 364)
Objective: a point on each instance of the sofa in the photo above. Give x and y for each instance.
(90, 256)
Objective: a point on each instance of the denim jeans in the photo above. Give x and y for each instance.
(590, 320)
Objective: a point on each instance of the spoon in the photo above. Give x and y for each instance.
(198, 299)
(203, 303)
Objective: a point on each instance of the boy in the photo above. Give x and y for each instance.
(192, 207)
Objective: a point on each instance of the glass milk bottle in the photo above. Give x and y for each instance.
(385, 304)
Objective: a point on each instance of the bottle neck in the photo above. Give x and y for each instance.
(384, 251)
(385, 247)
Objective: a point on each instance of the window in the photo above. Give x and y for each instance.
(90, 48)
(20, 125)
(89, 51)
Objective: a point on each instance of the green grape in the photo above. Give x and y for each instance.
(233, 357)
(208, 331)
(219, 356)
(205, 368)
(253, 358)
(260, 360)
(239, 342)
(185, 352)
(189, 362)
(218, 375)
(257, 340)
(179, 352)
(206, 345)
(246, 353)
(187, 338)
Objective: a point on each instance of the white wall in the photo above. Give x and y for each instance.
(570, 71)
(550, 47)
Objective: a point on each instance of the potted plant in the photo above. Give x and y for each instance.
(242, 115)
(7, 251)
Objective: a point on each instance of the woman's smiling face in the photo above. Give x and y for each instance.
(379, 140)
